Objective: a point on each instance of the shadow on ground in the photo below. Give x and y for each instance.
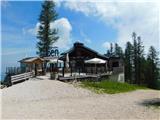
(151, 102)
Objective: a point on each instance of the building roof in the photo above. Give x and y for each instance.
(31, 59)
(50, 58)
(85, 47)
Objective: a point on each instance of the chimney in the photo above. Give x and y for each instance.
(78, 44)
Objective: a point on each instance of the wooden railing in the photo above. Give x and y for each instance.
(92, 77)
(14, 70)
(20, 77)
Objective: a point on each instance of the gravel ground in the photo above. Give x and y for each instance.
(50, 99)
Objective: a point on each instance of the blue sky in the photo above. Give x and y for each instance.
(20, 16)
(91, 27)
(95, 24)
(17, 16)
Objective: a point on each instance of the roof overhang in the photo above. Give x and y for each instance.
(32, 60)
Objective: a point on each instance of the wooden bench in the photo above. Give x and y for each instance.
(21, 77)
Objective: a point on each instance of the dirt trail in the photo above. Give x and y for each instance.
(50, 99)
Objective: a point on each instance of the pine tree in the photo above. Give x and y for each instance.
(111, 49)
(45, 35)
(140, 56)
(118, 51)
(108, 54)
(153, 72)
(134, 36)
(128, 62)
(143, 69)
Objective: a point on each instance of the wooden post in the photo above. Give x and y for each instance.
(63, 72)
(79, 70)
(35, 69)
(71, 70)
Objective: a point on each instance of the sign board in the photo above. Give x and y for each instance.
(54, 52)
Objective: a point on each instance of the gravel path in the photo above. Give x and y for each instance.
(50, 99)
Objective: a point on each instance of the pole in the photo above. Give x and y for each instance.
(63, 71)
(35, 69)
(95, 68)
(71, 70)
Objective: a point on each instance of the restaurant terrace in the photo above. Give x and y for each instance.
(78, 62)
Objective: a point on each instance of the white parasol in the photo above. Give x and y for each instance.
(67, 60)
(95, 61)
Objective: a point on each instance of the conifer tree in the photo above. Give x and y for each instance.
(108, 54)
(111, 49)
(153, 72)
(128, 62)
(140, 56)
(118, 51)
(46, 35)
(134, 36)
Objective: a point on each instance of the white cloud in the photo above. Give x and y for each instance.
(32, 31)
(64, 32)
(126, 17)
(87, 40)
(106, 45)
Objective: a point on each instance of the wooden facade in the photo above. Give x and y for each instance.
(79, 53)
(77, 56)
(116, 64)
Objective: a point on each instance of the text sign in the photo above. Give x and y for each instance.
(54, 52)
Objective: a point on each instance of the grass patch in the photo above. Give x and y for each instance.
(110, 87)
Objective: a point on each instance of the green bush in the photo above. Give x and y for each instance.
(7, 81)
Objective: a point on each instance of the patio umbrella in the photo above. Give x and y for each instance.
(95, 61)
(67, 60)
(55, 61)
